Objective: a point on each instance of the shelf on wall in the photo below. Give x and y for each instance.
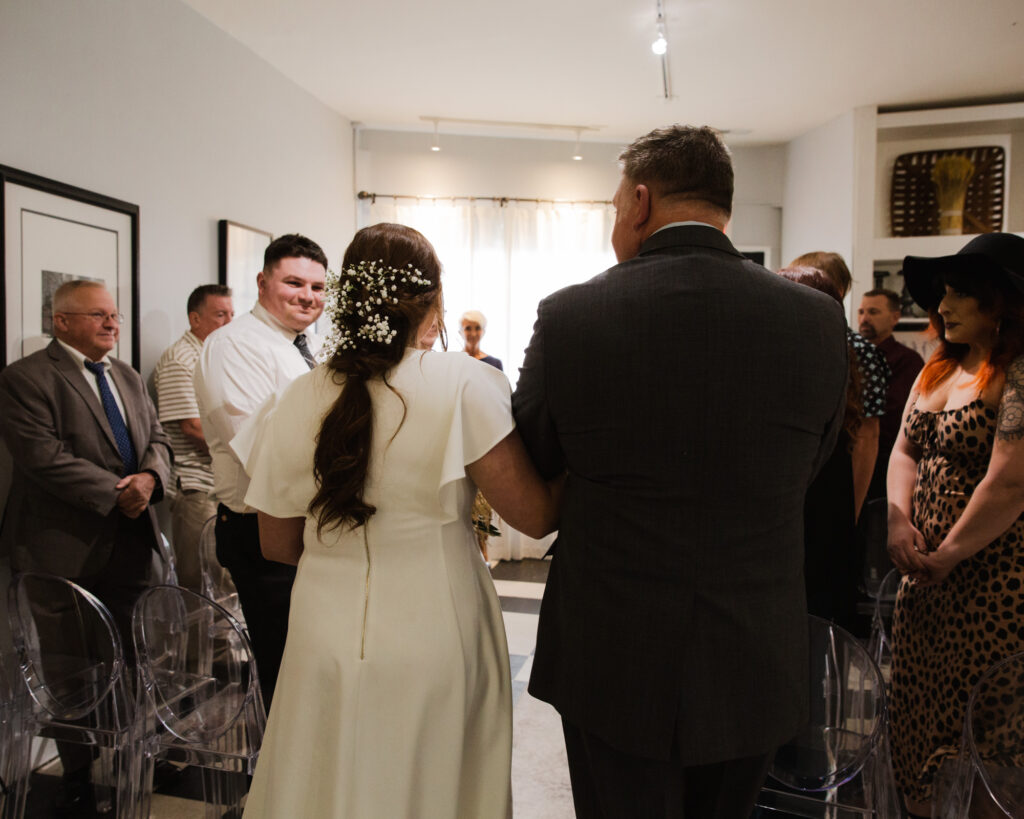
(894, 248)
(964, 121)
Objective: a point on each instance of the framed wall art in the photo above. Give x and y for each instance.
(52, 233)
(240, 258)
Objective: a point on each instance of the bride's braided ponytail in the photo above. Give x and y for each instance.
(389, 284)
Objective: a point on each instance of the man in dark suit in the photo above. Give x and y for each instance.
(90, 459)
(691, 395)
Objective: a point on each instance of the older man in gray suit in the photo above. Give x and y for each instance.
(691, 395)
(90, 460)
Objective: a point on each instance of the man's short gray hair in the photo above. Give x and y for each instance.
(63, 294)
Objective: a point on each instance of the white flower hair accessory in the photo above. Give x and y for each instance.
(361, 293)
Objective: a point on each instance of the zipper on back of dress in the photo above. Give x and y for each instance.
(366, 594)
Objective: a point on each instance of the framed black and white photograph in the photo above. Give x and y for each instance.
(240, 250)
(52, 233)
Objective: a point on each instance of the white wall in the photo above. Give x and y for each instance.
(817, 202)
(401, 162)
(148, 102)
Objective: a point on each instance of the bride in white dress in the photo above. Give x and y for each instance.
(394, 698)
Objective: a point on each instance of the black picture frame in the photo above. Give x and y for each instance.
(239, 258)
(14, 209)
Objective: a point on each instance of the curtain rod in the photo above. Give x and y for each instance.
(501, 200)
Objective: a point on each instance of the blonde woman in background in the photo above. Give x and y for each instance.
(472, 327)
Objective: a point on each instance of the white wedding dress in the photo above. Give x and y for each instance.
(394, 698)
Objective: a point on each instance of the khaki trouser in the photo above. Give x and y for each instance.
(190, 509)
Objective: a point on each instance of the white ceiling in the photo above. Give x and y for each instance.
(775, 67)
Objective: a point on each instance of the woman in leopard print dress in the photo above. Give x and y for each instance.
(956, 499)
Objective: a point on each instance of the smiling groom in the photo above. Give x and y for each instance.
(242, 364)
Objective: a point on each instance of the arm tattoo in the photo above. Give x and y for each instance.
(1010, 424)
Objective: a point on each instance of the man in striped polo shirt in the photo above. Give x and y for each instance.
(209, 307)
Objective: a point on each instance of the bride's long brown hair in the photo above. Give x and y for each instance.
(343, 444)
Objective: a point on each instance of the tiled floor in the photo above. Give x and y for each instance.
(540, 779)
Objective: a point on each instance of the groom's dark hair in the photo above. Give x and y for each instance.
(682, 162)
(292, 246)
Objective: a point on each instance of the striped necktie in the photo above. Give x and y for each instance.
(303, 345)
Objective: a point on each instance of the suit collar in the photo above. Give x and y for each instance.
(688, 236)
(71, 370)
(79, 357)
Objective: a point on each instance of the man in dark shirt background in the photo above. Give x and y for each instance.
(877, 317)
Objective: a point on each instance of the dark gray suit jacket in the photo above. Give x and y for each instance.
(691, 395)
(62, 514)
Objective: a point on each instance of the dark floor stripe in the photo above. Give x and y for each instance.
(525, 605)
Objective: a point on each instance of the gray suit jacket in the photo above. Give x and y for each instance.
(691, 395)
(62, 514)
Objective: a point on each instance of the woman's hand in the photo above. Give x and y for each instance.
(937, 566)
(906, 544)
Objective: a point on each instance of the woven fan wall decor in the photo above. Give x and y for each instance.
(914, 204)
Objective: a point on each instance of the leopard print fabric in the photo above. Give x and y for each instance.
(946, 636)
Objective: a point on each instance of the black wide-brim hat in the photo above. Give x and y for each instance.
(1000, 255)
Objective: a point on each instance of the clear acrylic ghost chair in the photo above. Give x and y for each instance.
(73, 665)
(838, 765)
(15, 741)
(874, 527)
(880, 642)
(216, 581)
(163, 562)
(987, 778)
(201, 693)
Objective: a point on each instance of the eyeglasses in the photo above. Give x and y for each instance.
(97, 316)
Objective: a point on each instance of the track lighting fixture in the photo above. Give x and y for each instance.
(660, 44)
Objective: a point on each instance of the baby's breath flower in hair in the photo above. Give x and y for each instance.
(357, 304)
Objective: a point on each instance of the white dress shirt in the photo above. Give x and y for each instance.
(242, 364)
(90, 377)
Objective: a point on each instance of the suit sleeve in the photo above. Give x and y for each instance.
(30, 432)
(530, 405)
(835, 423)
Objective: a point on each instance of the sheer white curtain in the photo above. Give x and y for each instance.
(503, 259)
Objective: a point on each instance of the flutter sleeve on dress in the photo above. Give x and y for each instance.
(277, 449)
(481, 419)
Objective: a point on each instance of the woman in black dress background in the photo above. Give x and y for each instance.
(832, 560)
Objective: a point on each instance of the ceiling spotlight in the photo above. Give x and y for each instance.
(436, 146)
(576, 153)
(660, 44)
(660, 49)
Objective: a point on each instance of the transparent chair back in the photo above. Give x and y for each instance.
(838, 764)
(73, 665)
(216, 581)
(880, 642)
(987, 778)
(15, 740)
(201, 690)
(164, 564)
(875, 529)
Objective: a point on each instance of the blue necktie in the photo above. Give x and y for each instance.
(117, 425)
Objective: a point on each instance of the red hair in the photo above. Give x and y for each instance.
(995, 298)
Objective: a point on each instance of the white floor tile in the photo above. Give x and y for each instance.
(521, 631)
(519, 588)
